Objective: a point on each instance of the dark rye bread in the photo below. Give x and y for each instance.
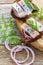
(25, 17)
(41, 32)
(13, 15)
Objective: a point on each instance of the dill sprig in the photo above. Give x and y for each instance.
(7, 31)
(38, 14)
(31, 22)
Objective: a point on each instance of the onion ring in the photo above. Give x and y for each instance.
(15, 54)
(26, 36)
(24, 47)
(8, 47)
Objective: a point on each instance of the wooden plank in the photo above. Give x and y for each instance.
(6, 1)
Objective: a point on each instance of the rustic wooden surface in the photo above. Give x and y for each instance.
(6, 1)
(4, 54)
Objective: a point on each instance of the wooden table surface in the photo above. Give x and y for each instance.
(4, 54)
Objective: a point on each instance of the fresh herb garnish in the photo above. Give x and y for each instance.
(35, 14)
(28, 4)
(35, 7)
(14, 40)
(38, 15)
(7, 30)
(31, 23)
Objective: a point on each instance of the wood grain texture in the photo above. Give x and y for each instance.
(39, 3)
(6, 1)
(4, 54)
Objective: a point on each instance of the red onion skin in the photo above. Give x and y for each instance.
(26, 36)
(32, 54)
(15, 61)
(9, 49)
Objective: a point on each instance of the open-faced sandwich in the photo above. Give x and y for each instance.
(35, 25)
(27, 31)
(23, 8)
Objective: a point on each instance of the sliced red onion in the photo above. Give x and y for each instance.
(8, 47)
(33, 55)
(23, 47)
(26, 36)
(26, 57)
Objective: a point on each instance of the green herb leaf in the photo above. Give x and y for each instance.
(0, 26)
(35, 14)
(7, 30)
(38, 15)
(28, 4)
(31, 23)
(14, 40)
(3, 19)
(35, 7)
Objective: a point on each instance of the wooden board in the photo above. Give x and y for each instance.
(5, 55)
